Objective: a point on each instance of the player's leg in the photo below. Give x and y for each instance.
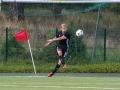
(62, 55)
(58, 64)
(55, 69)
(63, 62)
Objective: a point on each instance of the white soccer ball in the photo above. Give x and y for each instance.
(79, 33)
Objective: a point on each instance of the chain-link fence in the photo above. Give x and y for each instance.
(42, 22)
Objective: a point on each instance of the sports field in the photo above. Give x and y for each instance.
(61, 81)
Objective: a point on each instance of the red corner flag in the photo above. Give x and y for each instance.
(21, 36)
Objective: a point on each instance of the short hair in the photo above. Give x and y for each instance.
(63, 25)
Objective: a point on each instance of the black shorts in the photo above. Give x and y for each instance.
(63, 50)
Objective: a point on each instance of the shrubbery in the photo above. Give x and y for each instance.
(48, 57)
(15, 49)
(77, 50)
(43, 68)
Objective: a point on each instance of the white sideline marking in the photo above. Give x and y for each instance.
(7, 85)
(58, 87)
(27, 76)
(56, 76)
(72, 87)
(47, 86)
(32, 83)
(15, 83)
(111, 88)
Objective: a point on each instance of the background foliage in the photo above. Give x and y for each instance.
(42, 24)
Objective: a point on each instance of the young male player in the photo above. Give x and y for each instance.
(62, 49)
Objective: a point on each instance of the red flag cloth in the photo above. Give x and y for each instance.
(21, 36)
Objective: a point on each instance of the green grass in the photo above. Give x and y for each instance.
(60, 81)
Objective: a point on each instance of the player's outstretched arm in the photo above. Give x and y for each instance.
(53, 40)
(58, 39)
(49, 42)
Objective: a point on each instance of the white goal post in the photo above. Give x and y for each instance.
(63, 1)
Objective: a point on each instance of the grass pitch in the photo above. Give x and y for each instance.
(76, 81)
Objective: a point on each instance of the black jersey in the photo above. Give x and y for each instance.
(63, 43)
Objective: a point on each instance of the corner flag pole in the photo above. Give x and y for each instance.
(32, 57)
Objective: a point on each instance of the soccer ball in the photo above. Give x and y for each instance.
(79, 33)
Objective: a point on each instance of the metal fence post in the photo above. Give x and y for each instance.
(105, 45)
(6, 44)
(56, 34)
(97, 27)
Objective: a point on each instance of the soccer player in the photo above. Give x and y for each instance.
(62, 49)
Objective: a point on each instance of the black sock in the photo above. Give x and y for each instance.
(56, 68)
